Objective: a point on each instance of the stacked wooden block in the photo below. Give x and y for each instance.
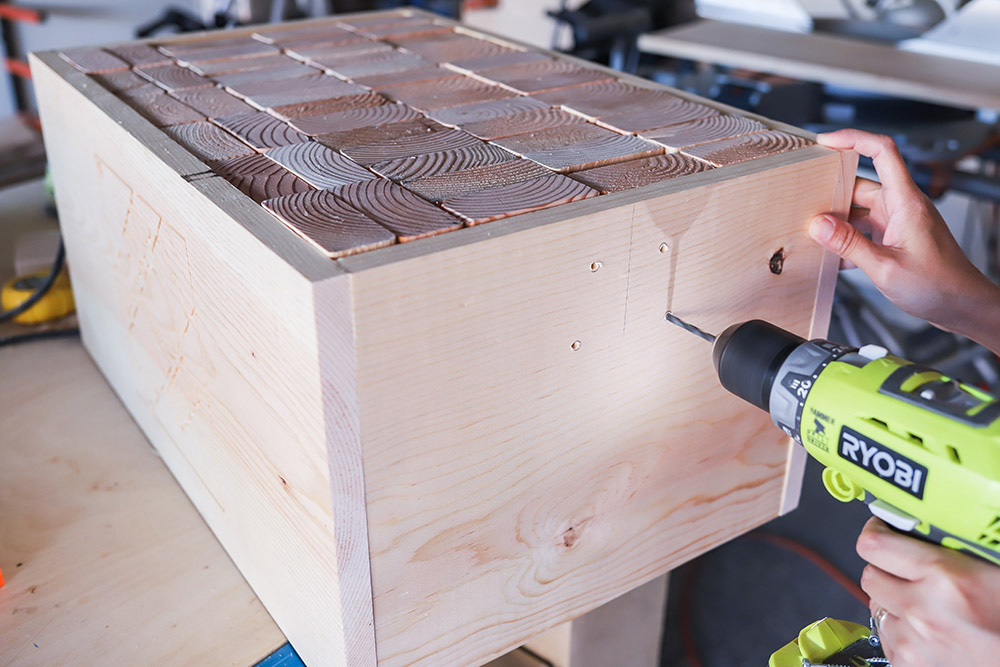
(372, 131)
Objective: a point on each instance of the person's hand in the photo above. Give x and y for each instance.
(911, 257)
(941, 607)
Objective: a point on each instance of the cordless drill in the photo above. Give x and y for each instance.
(922, 450)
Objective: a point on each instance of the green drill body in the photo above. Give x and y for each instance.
(933, 457)
(921, 449)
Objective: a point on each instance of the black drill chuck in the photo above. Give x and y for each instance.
(747, 357)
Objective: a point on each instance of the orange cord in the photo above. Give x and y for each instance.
(687, 590)
(802, 550)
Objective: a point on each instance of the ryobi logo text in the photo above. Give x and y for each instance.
(878, 459)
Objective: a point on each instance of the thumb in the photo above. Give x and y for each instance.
(846, 240)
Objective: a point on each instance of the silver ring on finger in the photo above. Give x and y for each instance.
(878, 618)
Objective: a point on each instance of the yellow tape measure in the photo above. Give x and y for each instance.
(56, 303)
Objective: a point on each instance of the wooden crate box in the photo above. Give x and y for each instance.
(426, 445)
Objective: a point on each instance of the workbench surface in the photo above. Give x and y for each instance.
(105, 559)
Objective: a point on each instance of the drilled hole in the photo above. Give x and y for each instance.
(777, 262)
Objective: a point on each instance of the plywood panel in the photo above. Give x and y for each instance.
(515, 479)
(106, 561)
(212, 346)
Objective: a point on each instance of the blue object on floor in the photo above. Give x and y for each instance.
(283, 657)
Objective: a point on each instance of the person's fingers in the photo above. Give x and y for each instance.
(881, 149)
(847, 241)
(865, 191)
(886, 590)
(899, 555)
(896, 635)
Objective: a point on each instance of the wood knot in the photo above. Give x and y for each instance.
(570, 537)
(777, 262)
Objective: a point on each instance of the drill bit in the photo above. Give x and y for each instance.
(673, 319)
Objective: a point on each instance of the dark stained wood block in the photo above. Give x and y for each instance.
(748, 147)
(93, 61)
(408, 29)
(380, 133)
(381, 62)
(420, 74)
(120, 80)
(454, 184)
(482, 111)
(214, 102)
(521, 123)
(162, 110)
(358, 23)
(333, 105)
(444, 48)
(136, 96)
(316, 54)
(397, 209)
(433, 142)
(260, 178)
(503, 58)
(353, 119)
(242, 48)
(318, 165)
(291, 69)
(637, 173)
(207, 141)
(261, 61)
(283, 36)
(700, 131)
(663, 111)
(507, 200)
(542, 75)
(323, 42)
(282, 92)
(445, 93)
(604, 98)
(261, 130)
(218, 39)
(579, 146)
(430, 164)
(139, 55)
(173, 77)
(335, 226)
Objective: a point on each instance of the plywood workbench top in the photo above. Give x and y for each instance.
(106, 561)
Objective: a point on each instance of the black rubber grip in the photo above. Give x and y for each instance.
(747, 357)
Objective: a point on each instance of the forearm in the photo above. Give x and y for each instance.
(978, 316)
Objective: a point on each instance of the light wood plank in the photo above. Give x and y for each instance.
(499, 461)
(626, 631)
(204, 322)
(836, 60)
(106, 561)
